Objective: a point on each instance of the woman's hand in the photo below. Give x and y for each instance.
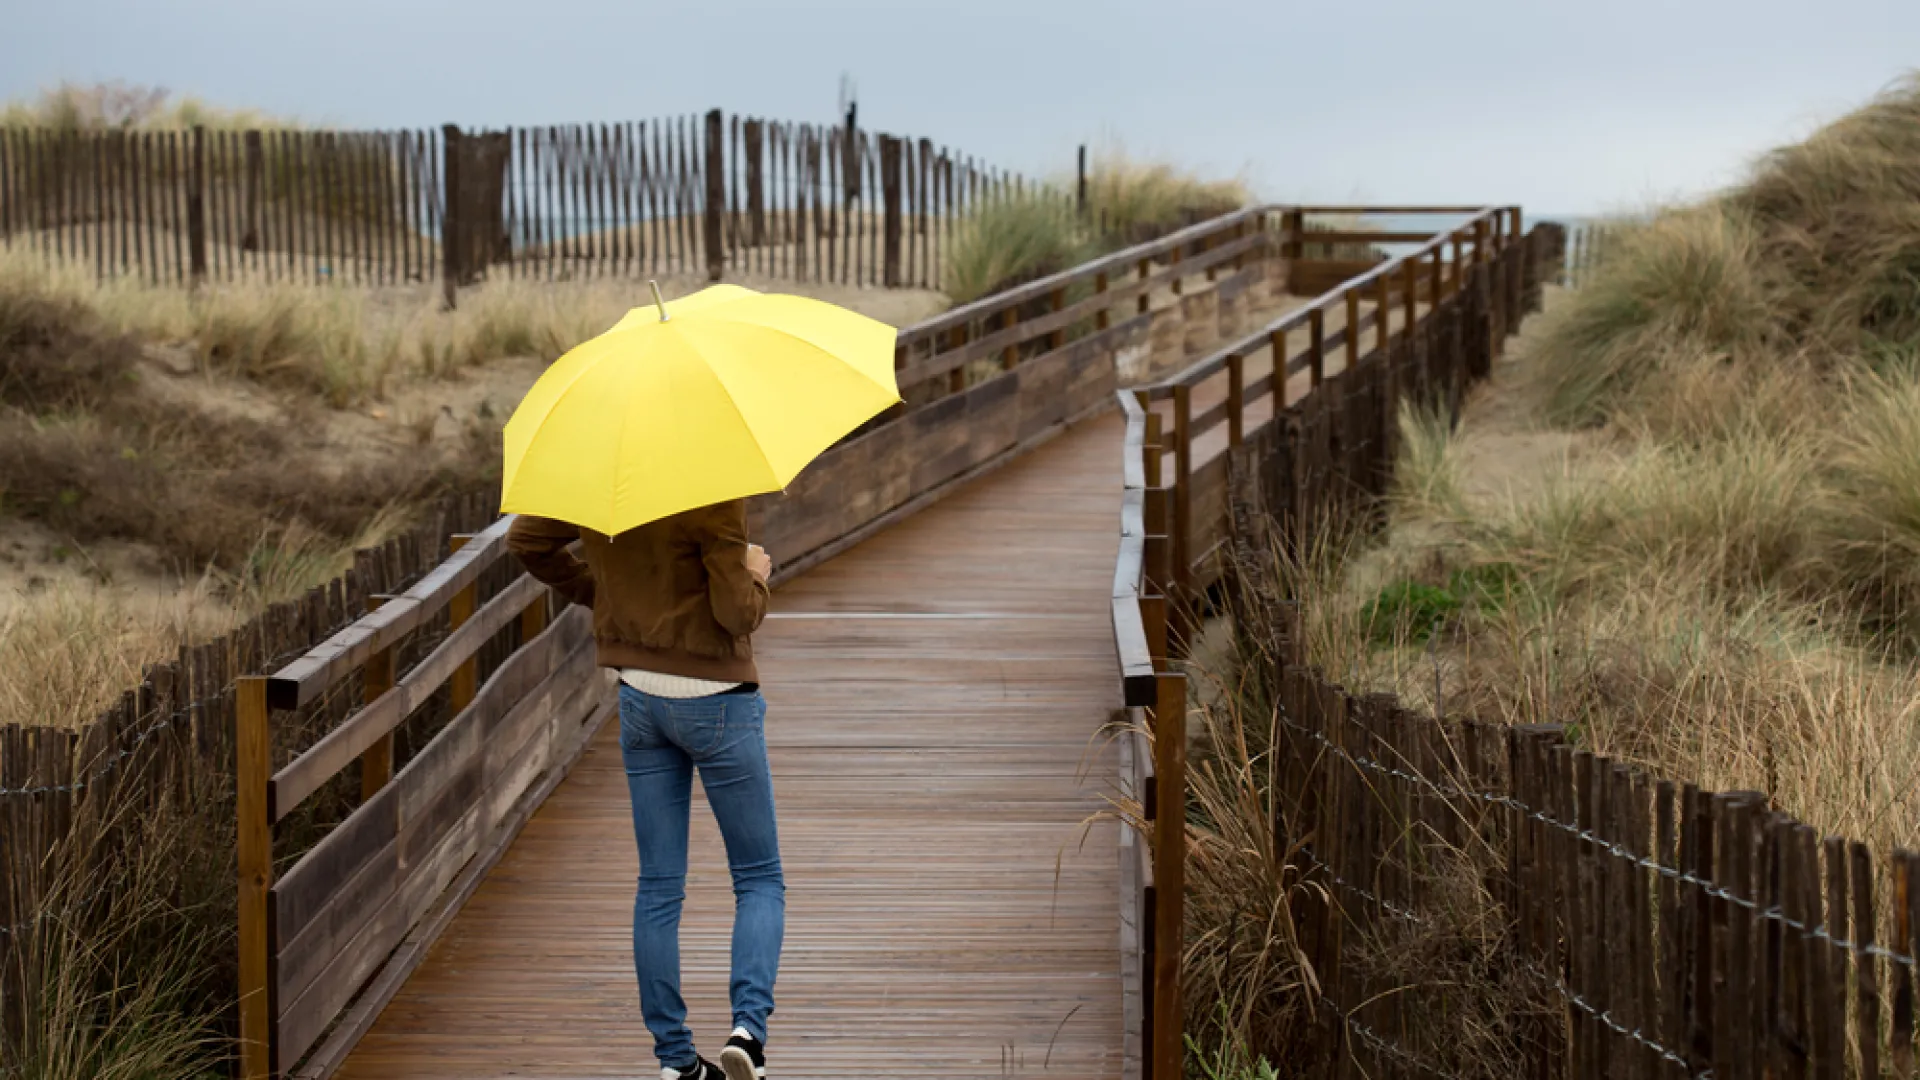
(758, 563)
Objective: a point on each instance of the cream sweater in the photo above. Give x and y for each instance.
(671, 686)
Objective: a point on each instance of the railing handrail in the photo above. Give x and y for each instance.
(1215, 362)
(352, 737)
(1033, 290)
(307, 677)
(1145, 563)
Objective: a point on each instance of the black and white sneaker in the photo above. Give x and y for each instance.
(744, 1058)
(701, 1069)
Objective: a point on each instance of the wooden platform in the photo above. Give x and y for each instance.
(936, 704)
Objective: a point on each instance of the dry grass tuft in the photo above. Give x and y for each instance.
(118, 105)
(1134, 199)
(1024, 236)
(1014, 240)
(126, 975)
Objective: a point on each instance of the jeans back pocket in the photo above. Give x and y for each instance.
(698, 724)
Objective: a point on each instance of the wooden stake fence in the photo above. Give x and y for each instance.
(704, 198)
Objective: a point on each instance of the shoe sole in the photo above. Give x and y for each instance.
(737, 1065)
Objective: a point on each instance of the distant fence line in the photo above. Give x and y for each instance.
(1588, 243)
(682, 195)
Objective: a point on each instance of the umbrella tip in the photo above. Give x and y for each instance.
(657, 302)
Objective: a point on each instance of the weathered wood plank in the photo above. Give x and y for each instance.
(428, 851)
(306, 889)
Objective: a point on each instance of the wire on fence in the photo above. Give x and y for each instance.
(103, 769)
(1817, 931)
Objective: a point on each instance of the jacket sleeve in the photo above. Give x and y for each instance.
(739, 598)
(541, 545)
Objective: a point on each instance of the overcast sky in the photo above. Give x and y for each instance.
(1563, 108)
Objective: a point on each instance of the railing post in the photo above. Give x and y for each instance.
(376, 765)
(1101, 318)
(957, 378)
(1436, 275)
(1145, 303)
(1169, 873)
(1277, 342)
(1056, 300)
(1316, 347)
(1383, 312)
(1236, 398)
(715, 209)
(533, 621)
(253, 766)
(1480, 240)
(1352, 298)
(1157, 561)
(1458, 269)
(460, 608)
(1412, 299)
(1009, 356)
(1151, 458)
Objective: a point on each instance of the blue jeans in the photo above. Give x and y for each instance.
(662, 742)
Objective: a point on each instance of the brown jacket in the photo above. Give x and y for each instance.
(673, 596)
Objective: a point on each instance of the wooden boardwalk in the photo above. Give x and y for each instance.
(937, 697)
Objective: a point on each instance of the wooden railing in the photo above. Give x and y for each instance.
(328, 937)
(989, 381)
(1434, 317)
(324, 943)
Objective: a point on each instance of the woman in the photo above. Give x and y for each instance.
(675, 603)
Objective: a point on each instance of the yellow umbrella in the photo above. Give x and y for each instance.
(715, 396)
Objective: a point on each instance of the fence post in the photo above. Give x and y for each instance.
(1169, 872)
(251, 241)
(756, 184)
(1081, 188)
(197, 207)
(890, 207)
(253, 765)
(452, 147)
(716, 198)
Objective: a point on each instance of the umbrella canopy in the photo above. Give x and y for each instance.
(712, 397)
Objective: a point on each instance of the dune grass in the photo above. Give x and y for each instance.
(1012, 240)
(1040, 231)
(1725, 589)
(1131, 199)
(117, 105)
(343, 347)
